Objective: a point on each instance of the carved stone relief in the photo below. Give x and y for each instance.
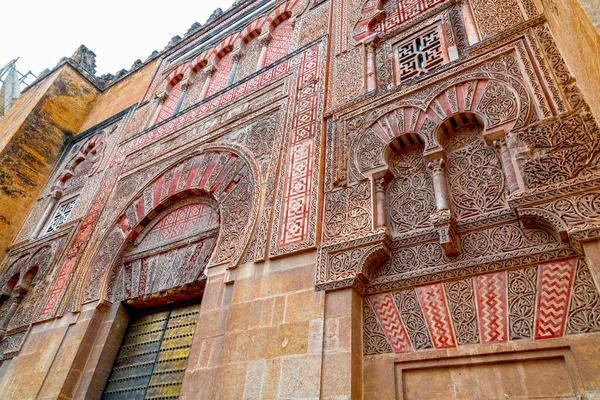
(410, 197)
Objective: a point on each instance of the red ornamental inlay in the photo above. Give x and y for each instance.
(279, 46)
(398, 12)
(491, 301)
(219, 79)
(296, 211)
(190, 218)
(308, 61)
(168, 108)
(554, 291)
(390, 320)
(435, 310)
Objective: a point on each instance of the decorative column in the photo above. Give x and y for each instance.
(507, 165)
(469, 22)
(379, 187)
(159, 101)
(442, 219)
(15, 300)
(440, 184)
(264, 42)
(54, 197)
(185, 85)
(235, 55)
(208, 71)
(370, 44)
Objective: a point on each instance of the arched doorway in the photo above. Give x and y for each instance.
(161, 282)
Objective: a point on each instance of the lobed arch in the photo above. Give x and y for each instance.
(235, 41)
(373, 12)
(177, 75)
(89, 149)
(226, 46)
(495, 104)
(370, 13)
(289, 9)
(227, 172)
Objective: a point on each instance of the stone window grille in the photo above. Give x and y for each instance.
(60, 216)
(420, 54)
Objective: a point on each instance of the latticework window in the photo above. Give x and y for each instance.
(61, 216)
(419, 54)
(398, 12)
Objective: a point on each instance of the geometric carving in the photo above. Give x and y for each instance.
(474, 173)
(224, 170)
(220, 77)
(381, 17)
(389, 317)
(348, 212)
(295, 212)
(174, 251)
(567, 147)
(554, 289)
(419, 55)
(497, 105)
(413, 319)
(279, 45)
(493, 308)
(433, 304)
(461, 302)
(410, 195)
(371, 148)
(61, 215)
(521, 302)
(495, 16)
(584, 313)
(374, 340)
(491, 301)
(170, 103)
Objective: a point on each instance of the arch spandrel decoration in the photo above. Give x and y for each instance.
(225, 172)
(172, 251)
(497, 103)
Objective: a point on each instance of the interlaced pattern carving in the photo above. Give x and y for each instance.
(521, 302)
(374, 341)
(475, 175)
(567, 148)
(534, 298)
(410, 195)
(413, 319)
(348, 212)
(584, 313)
(461, 301)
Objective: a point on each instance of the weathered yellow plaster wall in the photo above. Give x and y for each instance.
(33, 138)
(120, 96)
(575, 25)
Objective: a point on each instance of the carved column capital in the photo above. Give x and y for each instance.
(208, 71)
(437, 166)
(371, 42)
(500, 144)
(162, 96)
(185, 84)
(265, 39)
(236, 55)
(380, 184)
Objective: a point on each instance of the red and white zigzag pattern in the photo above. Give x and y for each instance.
(435, 309)
(491, 306)
(389, 317)
(554, 285)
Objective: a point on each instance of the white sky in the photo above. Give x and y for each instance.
(41, 32)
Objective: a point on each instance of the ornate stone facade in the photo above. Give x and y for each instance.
(358, 197)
